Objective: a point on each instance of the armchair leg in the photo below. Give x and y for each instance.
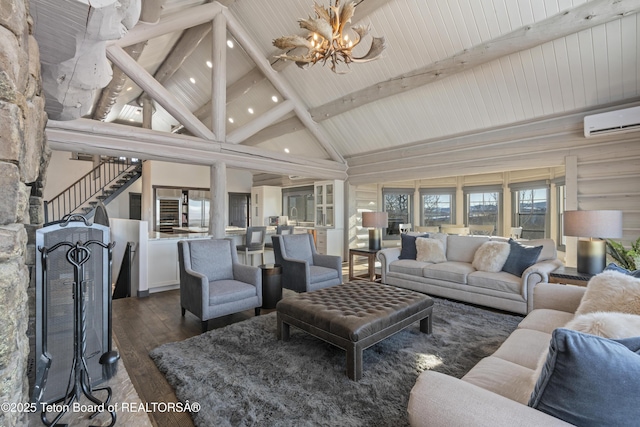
(204, 325)
(184, 310)
(257, 311)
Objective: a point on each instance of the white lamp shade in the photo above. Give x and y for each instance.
(602, 224)
(375, 219)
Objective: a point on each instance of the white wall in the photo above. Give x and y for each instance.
(62, 172)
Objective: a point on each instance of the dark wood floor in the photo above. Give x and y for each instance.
(140, 325)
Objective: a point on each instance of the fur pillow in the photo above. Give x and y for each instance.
(430, 250)
(491, 256)
(611, 291)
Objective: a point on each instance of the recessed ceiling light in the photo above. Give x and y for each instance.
(230, 43)
(274, 98)
(209, 64)
(250, 110)
(230, 119)
(286, 150)
(192, 80)
(131, 120)
(129, 88)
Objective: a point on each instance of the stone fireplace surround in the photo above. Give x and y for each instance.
(24, 156)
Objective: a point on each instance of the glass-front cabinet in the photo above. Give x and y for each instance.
(325, 208)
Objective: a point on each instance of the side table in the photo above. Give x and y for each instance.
(569, 276)
(370, 254)
(271, 285)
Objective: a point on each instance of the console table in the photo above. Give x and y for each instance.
(569, 276)
(370, 254)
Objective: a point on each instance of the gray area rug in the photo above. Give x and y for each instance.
(241, 375)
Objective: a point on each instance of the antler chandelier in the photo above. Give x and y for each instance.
(327, 41)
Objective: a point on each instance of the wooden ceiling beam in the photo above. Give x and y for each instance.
(91, 136)
(567, 22)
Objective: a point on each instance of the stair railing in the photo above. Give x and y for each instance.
(87, 187)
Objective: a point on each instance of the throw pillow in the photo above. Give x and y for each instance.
(430, 250)
(408, 249)
(589, 380)
(520, 257)
(603, 324)
(491, 256)
(616, 267)
(611, 291)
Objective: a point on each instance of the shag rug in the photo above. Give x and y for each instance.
(241, 375)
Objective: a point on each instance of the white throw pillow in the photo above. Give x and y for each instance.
(491, 256)
(430, 250)
(611, 291)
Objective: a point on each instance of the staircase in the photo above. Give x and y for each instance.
(102, 184)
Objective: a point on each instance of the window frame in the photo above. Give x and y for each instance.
(516, 189)
(475, 189)
(409, 192)
(442, 191)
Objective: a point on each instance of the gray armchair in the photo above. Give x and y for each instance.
(303, 268)
(212, 281)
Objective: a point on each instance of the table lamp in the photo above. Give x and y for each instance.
(374, 221)
(599, 224)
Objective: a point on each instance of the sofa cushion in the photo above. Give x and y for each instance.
(548, 248)
(491, 256)
(589, 380)
(430, 250)
(450, 271)
(520, 257)
(524, 347)
(500, 376)
(463, 248)
(502, 281)
(224, 291)
(321, 274)
(408, 248)
(407, 266)
(611, 291)
(545, 320)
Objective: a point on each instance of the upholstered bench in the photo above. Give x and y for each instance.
(354, 316)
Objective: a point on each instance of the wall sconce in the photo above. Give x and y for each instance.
(375, 221)
(598, 224)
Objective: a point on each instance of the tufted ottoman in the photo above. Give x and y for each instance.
(354, 316)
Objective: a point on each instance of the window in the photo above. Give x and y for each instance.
(561, 197)
(437, 206)
(298, 203)
(483, 206)
(531, 209)
(398, 205)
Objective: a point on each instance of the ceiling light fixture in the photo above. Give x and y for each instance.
(250, 110)
(209, 64)
(326, 40)
(230, 119)
(230, 43)
(274, 98)
(192, 80)
(286, 150)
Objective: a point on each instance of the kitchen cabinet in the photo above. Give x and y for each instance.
(329, 202)
(266, 201)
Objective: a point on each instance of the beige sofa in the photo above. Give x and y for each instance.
(458, 279)
(496, 391)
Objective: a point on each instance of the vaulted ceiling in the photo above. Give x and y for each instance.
(451, 67)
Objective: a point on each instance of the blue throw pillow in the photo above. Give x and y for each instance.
(589, 380)
(408, 250)
(520, 257)
(616, 267)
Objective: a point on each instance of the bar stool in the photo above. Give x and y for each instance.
(253, 243)
(280, 229)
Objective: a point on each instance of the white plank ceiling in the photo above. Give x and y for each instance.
(594, 67)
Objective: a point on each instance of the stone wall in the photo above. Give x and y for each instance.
(23, 159)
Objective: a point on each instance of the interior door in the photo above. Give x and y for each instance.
(239, 209)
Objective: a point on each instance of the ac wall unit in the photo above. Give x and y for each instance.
(626, 120)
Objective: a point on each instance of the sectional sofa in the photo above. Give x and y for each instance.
(574, 360)
(454, 274)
